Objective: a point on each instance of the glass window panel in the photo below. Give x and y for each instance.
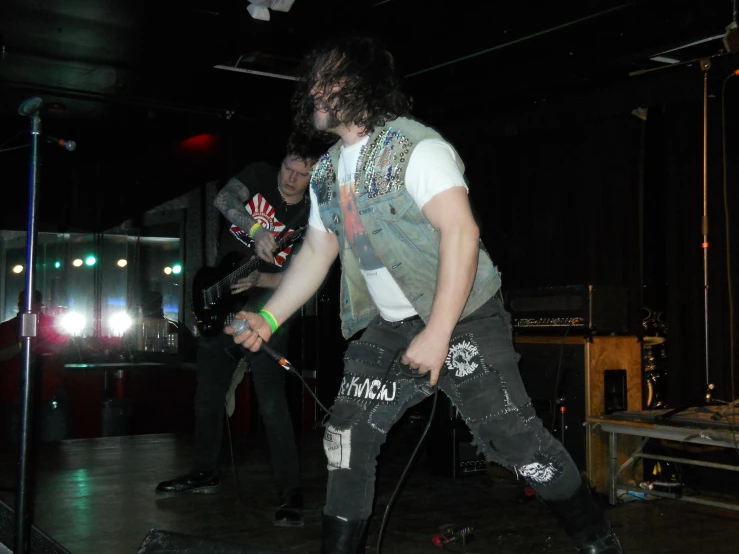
(161, 270)
(51, 267)
(116, 260)
(98, 278)
(14, 275)
(80, 290)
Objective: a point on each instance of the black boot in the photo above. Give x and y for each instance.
(584, 522)
(203, 482)
(343, 537)
(290, 512)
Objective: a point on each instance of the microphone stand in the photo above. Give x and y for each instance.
(28, 330)
(705, 65)
(68, 145)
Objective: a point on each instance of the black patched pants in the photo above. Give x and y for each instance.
(483, 382)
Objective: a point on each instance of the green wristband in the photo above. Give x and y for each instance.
(270, 319)
(254, 229)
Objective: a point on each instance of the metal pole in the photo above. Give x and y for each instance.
(28, 322)
(612, 465)
(705, 66)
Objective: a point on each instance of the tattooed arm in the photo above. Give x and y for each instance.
(230, 202)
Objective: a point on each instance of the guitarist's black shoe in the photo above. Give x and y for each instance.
(201, 482)
(290, 512)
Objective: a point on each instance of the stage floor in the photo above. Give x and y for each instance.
(97, 496)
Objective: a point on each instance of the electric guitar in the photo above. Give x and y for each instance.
(212, 301)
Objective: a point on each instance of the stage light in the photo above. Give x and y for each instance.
(176, 269)
(18, 269)
(57, 264)
(120, 323)
(202, 143)
(168, 270)
(122, 263)
(90, 260)
(77, 262)
(73, 323)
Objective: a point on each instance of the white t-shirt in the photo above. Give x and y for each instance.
(431, 170)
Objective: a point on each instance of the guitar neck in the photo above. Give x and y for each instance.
(244, 271)
(217, 290)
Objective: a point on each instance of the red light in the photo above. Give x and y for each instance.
(200, 143)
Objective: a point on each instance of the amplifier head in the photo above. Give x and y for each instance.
(575, 308)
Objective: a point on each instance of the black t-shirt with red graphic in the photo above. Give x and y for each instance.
(266, 206)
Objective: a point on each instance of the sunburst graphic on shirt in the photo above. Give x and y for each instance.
(354, 228)
(263, 212)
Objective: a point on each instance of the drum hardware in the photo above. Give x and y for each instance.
(654, 357)
(654, 353)
(655, 389)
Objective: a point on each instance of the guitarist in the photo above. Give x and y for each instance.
(260, 203)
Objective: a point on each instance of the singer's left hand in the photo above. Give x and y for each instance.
(427, 353)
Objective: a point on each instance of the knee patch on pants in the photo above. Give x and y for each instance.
(337, 444)
(544, 470)
(337, 438)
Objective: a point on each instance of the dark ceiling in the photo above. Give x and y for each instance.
(130, 79)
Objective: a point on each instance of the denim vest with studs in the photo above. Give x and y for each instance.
(401, 236)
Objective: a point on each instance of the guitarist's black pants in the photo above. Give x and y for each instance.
(217, 359)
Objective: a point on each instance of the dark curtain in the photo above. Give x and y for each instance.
(674, 185)
(560, 206)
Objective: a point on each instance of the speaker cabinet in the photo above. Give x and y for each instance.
(572, 378)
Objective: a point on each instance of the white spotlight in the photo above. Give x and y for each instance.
(119, 323)
(73, 323)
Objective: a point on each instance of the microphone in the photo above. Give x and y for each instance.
(30, 106)
(241, 325)
(68, 145)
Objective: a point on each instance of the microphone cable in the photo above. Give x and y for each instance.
(409, 464)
